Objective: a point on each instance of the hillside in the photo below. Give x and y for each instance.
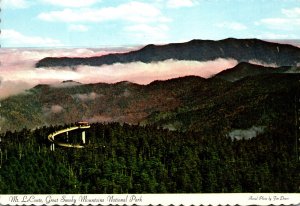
(184, 135)
(120, 102)
(242, 50)
(187, 103)
(244, 69)
(258, 100)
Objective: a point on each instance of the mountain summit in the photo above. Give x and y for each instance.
(243, 50)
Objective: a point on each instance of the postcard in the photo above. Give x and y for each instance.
(137, 102)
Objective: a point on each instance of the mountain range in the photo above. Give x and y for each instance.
(236, 131)
(245, 96)
(242, 50)
(233, 99)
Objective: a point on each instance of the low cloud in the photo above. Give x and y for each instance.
(56, 109)
(246, 133)
(19, 74)
(145, 73)
(257, 62)
(100, 118)
(9, 88)
(107, 118)
(86, 97)
(53, 109)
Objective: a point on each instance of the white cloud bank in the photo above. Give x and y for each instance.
(144, 73)
(17, 72)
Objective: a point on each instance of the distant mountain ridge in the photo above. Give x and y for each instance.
(245, 69)
(242, 50)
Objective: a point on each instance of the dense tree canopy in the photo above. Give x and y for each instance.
(146, 159)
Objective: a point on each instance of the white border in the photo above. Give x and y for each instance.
(154, 199)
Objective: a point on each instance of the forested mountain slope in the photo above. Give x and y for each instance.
(135, 159)
(186, 134)
(187, 103)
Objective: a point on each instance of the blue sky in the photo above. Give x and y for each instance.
(111, 23)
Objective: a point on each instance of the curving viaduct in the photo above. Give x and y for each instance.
(51, 137)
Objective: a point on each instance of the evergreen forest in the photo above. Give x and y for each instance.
(123, 158)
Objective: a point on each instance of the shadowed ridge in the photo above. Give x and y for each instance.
(245, 69)
(242, 50)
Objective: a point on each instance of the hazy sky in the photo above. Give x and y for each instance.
(101, 23)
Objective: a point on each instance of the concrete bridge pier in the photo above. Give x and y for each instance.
(52, 147)
(83, 137)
